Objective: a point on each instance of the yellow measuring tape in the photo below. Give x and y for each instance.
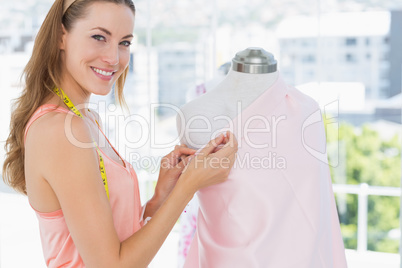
(71, 106)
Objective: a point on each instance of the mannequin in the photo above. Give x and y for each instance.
(277, 208)
(228, 98)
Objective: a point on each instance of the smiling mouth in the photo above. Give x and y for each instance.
(101, 72)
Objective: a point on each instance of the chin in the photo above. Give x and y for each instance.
(103, 91)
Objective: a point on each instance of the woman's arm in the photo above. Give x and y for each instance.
(207, 168)
(73, 174)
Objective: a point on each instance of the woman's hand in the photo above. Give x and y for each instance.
(212, 164)
(209, 166)
(172, 165)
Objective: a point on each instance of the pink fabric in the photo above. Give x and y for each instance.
(188, 225)
(58, 247)
(281, 212)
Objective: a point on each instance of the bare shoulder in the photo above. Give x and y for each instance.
(57, 128)
(56, 137)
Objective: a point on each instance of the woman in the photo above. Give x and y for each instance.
(86, 197)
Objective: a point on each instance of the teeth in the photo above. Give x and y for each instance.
(102, 72)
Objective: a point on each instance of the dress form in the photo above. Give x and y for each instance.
(253, 72)
(277, 208)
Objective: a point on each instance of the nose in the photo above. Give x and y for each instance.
(111, 55)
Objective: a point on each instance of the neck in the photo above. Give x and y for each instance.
(77, 95)
(247, 81)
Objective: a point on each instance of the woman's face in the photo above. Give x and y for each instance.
(97, 47)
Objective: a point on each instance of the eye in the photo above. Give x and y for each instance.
(126, 43)
(98, 37)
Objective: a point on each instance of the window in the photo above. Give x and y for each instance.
(308, 58)
(384, 75)
(385, 56)
(350, 58)
(350, 41)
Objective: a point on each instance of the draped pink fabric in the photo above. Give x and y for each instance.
(277, 208)
(58, 247)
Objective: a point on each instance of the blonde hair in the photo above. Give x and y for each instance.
(42, 74)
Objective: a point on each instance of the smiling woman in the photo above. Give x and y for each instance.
(86, 198)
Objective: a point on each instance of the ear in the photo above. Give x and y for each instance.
(62, 41)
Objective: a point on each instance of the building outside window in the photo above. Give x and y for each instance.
(350, 42)
(350, 58)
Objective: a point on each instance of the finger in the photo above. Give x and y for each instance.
(184, 151)
(179, 168)
(175, 156)
(181, 153)
(187, 161)
(230, 147)
(227, 136)
(227, 162)
(220, 146)
(231, 140)
(225, 140)
(180, 150)
(182, 145)
(211, 145)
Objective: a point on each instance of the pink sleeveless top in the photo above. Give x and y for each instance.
(58, 247)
